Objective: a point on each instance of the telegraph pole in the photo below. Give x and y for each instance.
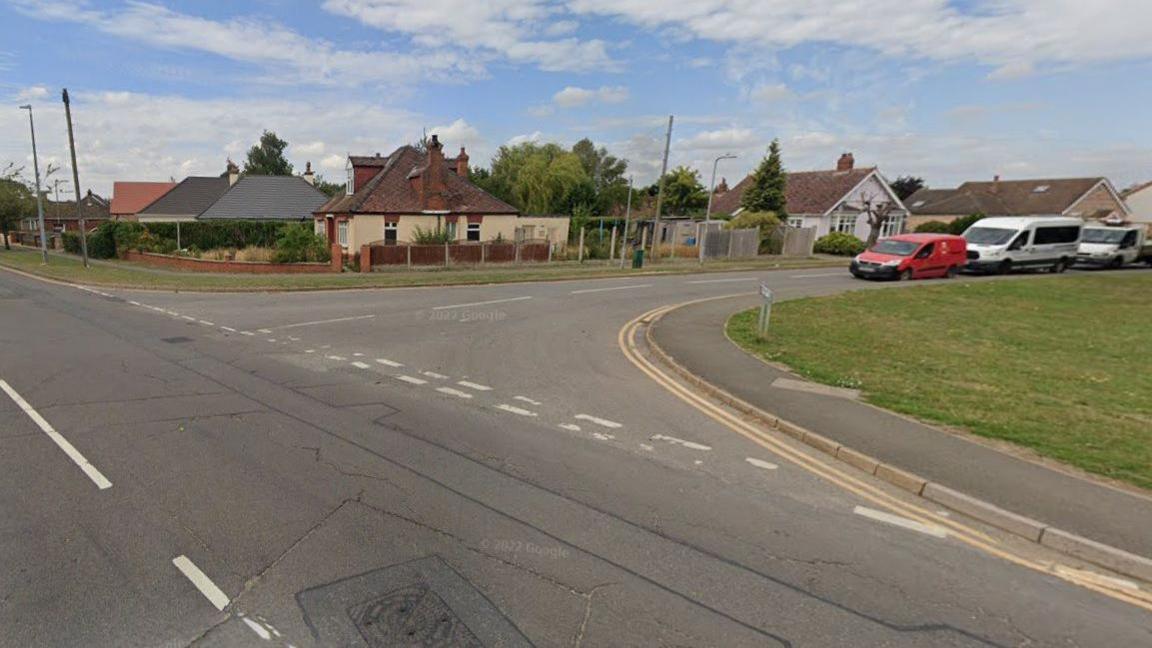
(627, 218)
(76, 180)
(39, 197)
(660, 191)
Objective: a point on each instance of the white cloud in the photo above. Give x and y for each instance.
(1013, 70)
(460, 133)
(572, 96)
(307, 148)
(32, 92)
(771, 93)
(999, 33)
(721, 140)
(534, 136)
(510, 29)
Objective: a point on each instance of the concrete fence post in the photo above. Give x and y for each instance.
(365, 258)
(731, 240)
(483, 248)
(612, 246)
(408, 251)
(337, 262)
(518, 243)
(445, 255)
(580, 252)
(550, 244)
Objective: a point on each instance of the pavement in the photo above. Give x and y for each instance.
(694, 337)
(480, 464)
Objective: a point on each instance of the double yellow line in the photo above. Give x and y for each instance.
(845, 479)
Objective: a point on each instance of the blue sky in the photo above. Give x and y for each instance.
(950, 91)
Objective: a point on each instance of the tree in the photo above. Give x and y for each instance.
(683, 191)
(766, 193)
(606, 172)
(17, 201)
(905, 186)
(267, 157)
(878, 210)
(536, 178)
(766, 222)
(329, 188)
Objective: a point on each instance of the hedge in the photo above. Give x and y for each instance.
(839, 243)
(934, 227)
(222, 234)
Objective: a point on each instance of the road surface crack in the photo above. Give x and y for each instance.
(578, 640)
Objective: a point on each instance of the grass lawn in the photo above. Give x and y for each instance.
(130, 275)
(1062, 366)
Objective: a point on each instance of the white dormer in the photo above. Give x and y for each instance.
(349, 186)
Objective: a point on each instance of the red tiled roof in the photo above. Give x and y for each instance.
(131, 197)
(390, 191)
(808, 192)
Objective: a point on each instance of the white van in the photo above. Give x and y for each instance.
(1005, 244)
(1113, 247)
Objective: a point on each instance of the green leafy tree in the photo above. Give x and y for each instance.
(606, 172)
(767, 190)
(17, 201)
(766, 222)
(964, 222)
(329, 188)
(536, 178)
(683, 191)
(905, 186)
(267, 157)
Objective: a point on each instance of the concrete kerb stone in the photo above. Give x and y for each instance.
(1070, 544)
(1096, 552)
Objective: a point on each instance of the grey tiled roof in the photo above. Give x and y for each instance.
(266, 198)
(189, 198)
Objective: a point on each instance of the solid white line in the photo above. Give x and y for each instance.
(228, 328)
(260, 630)
(813, 276)
(527, 400)
(360, 365)
(595, 290)
(215, 596)
(95, 475)
(599, 421)
(411, 379)
(760, 463)
(453, 392)
(905, 523)
(708, 281)
(691, 445)
(389, 363)
(433, 374)
(472, 385)
(134, 303)
(172, 313)
(327, 321)
(570, 426)
(515, 410)
(483, 303)
(207, 323)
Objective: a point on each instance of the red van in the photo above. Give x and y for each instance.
(912, 256)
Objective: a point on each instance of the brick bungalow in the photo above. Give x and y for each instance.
(61, 216)
(130, 198)
(1086, 198)
(829, 200)
(387, 198)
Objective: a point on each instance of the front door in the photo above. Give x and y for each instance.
(330, 229)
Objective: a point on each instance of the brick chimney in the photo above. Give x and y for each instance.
(722, 187)
(233, 172)
(462, 163)
(309, 177)
(846, 162)
(433, 191)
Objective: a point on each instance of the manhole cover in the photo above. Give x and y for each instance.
(422, 603)
(180, 339)
(412, 616)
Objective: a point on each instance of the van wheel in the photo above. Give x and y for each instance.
(1005, 267)
(952, 272)
(1060, 266)
(906, 275)
(1115, 264)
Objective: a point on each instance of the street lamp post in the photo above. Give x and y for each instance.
(39, 198)
(708, 209)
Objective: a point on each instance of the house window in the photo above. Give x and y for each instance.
(342, 233)
(451, 229)
(893, 226)
(473, 231)
(795, 221)
(318, 227)
(390, 230)
(349, 185)
(845, 223)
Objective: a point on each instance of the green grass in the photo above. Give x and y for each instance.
(1062, 366)
(131, 275)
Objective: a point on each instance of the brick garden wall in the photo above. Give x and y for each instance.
(234, 267)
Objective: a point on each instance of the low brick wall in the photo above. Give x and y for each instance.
(233, 267)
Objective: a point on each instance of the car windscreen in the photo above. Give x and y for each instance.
(1095, 235)
(988, 235)
(896, 248)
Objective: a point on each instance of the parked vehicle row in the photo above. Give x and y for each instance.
(1004, 245)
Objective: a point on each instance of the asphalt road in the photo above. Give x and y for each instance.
(479, 465)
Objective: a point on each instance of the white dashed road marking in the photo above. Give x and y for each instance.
(596, 290)
(527, 400)
(410, 379)
(760, 463)
(813, 276)
(388, 363)
(335, 357)
(207, 323)
(247, 333)
(188, 317)
(260, 630)
(453, 392)
(902, 522)
(433, 374)
(228, 328)
(264, 330)
(472, 385)
(95, 475)
(691, 445)
(214, 595)
(708, 281)
(602, 437)
(570, 426)
(328, 321)
(599, 421)
(515, 410)
(361, 365)
(483, 303)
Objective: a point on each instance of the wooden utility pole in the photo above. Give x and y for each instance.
(76, 180)
(660, 191)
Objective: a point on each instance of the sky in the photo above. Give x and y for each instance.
(946, 90)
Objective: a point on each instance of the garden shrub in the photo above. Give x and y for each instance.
(298, 244)
(933, 227)
(839, 243)
(960, 224)
(421, 236)
(128, 235)
(102, 241)
(71, 242)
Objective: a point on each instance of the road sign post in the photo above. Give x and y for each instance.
(765, 311)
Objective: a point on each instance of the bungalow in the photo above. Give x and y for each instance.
(387, 198)
(130, 198)
(267, 198)
(188, 199)
(835, 200)
(61, 216)
(1086, 198)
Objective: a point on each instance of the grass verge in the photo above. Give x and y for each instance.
(124, 274)
(1061, 366)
